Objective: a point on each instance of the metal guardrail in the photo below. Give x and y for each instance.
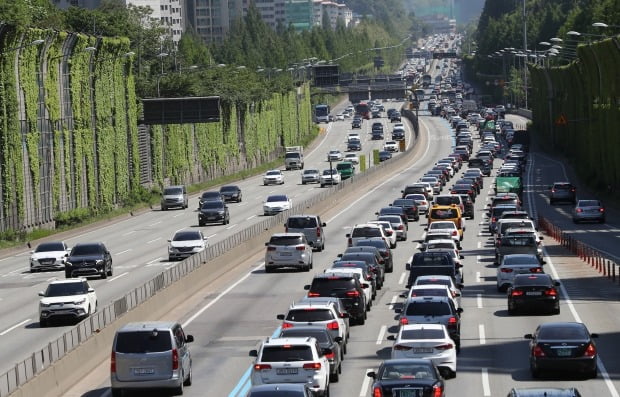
(42, 358)
(592, 256)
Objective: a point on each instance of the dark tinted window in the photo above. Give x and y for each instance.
(428, 309)
(285, 240)
(175, 191)
(46, 247)
(447, 213)
(301, 222)
(229, 189)
(526, 280)
(272, 199)
(210, 205)
(404, 203)
(407, 371)
(444, 200)
(320, 334)
(562, 186)
(292, 155)
(430, 260)
(498, 211)
(87, 249)
(332, 284)
(518, 241)
(66, 289)
(563, 332)
(380, 244)
(360, 256)
(589, 203)
(286, 353)
(423, 334)
(143, 342)
(430, 292)
(366, 232)
(426, 281)
(187, 236)
(309, 315)
(207, 195)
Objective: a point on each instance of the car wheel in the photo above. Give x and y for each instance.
(551, 202)
(303, 183)
(188, 380)
(392, 246)
(511, 310)
(110, 272)
(104, 274)
(42, 323)
(170, 259)
(117, 392)
(335, 377)
(593, 374)
(201, 224)
(322, 185)
(67, 274)
(268, 269)
(164, 208)
(326, 392)
(178, 391)
(556, 310)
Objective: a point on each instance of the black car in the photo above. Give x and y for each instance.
(398, 135)
(395, 210)
(372, 258)
(356, 123)
(395, 117)
(369, 274)
(407, 377)
(469, 180)
(213, 212)
(391, 111)
(231, 193)
(469, 212)
(481, 164)
(326, 341)
(462, 189)
(376, 135)
(354, 145)
(410, 208)
(562, 346)
(384, 155)
(209, 196)
(433, 263)
(384, 249)
(89, 259)
(345, 286)
(536, 291)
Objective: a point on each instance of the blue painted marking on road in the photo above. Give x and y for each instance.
(244, 384)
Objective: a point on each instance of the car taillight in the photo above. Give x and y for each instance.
(454, 232)
(368, 277)
(579, 210)
(285, 229)
(333, 325)
(403, 321)
(401, 227)
(402, 347)
(113, 362)
(376, 392)
(437, 391)
(506, 270)
(286, 325)
(452, 321)
(261, 367)
(271, 248)
(537, 351)
(330, 356)
(300, 247)
(312, 366)
(470, 192)
(350, 242)
(551, 292)
(352, 294)
(516, 292)
(536, 270)
(318, 232)
(590, 351)
(601, 210)
(572, 190)
(423, 203)
(494, 219)
(313, 294)
(446, 346)
(175, 359)
(552, 190)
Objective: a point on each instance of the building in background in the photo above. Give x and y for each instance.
(300, 14)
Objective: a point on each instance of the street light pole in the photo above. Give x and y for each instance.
(525, 52)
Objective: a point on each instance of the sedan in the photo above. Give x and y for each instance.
(213, 195)
(310, 176)
(275, 177)
(534, 292)
(276, 203)
(231, 193)
(563, 346)
(391, 146)
(340, 116)
(384, 155)
(356, 123)
(213, 212)
(407, 375)
(354, 145)
(334, 155)
(352, 158)
(514, 264)
(186, 243)
(420, 201)
(589, 210)
(427, 341)
(49, 256)
(330, 177)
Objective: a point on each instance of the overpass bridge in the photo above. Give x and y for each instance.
(361, 87)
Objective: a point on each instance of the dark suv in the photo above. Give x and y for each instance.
(213, 211)
(372, 258)
(563, 191)
(345, 286)
(433, 263)
(89, 259)
(384, 249)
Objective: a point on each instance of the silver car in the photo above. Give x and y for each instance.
(150, 355)
(288, 250)
(516, 264)
(310, 176)
(589, 210)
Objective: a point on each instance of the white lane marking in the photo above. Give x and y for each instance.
(153, 262)
(220, 296)
(12, 272)
(213, 235)
(479, 300)
(478, 277)
(152, 241)
(117, 277)
(401, 280)
(122, 252)
(128, 233)
(250, 217)
(6, 331)
(381, 334)
(392, 302)
(481, 334)
(154, 224)
(479, 244)
(365, 383)
(478, 259)
(231, 226)
(486, 388)
(178, 215)
(51, 279)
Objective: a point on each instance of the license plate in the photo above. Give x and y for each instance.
(422, 349)
(143, 371)
(286, 253)
(534, 293)
(407, 392)
(286, 371)
(563, 352)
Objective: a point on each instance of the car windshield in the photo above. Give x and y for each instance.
(589, 203)
(66, 289)
(330, 172)
(442, 225)
(186, 236)
(429, 292)
(403, 203)
(427, 281)
(286, 353)
(86, 249)
(229, 189)
(520, 260)
(173, 191)
(301, 222)
(343, 166)
(285, 240)
(533, 279)
(273, 173)
(209, 205)
(309, 315)
(518, 241)
(47, 247)
(423, 334)
(407, 371)
(211, 195)
(311, 172)
(393, 219)
(423, 308)
(366, 232)
(273, 199)
(143, 342)
(429, 260)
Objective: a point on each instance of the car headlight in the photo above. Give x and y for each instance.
(68, 263)
(98, 261)
(44, 304)
(79, 302)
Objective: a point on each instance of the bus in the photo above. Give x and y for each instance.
(363, 110)
(321, 113)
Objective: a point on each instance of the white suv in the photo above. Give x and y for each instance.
(69, 299)
(292, 360)
(363, 231)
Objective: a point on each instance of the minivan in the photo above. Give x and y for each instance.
(174, 196)
(150, 355)
(311, 226)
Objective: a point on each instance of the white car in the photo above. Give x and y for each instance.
(273, 177)
(352, 157)
(428, 341)
(448, 226)
(70, 298)
(440, 279)
(431, 184)
(340, 116)
(276, 203)
(330, 177)
(433, 290)
(334, 155)
(353, 136)
(49, 256)
(390, 146)
(186, 243)
(420, 200)
(390, 234)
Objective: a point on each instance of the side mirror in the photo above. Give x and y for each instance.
(461, 256)
(459, 310)
(344, 315)
(376, 213)
(323, 224)
(339, 255)
(398, 310)
(391, 337)
(390, 205)
(371, 374)
(189, 338)
(253, 353)
(347, 235)
(32, 252)
(311, 243)
(41, 293)
(528, 336)
(557, 283)
(594, 335)
(364, 286)
(266, 244)
(407, 266)
(280, 316)
(338, 339)
(169, 241)
(307, 287)
(91, 290)
(541, 237)
(403, 295)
